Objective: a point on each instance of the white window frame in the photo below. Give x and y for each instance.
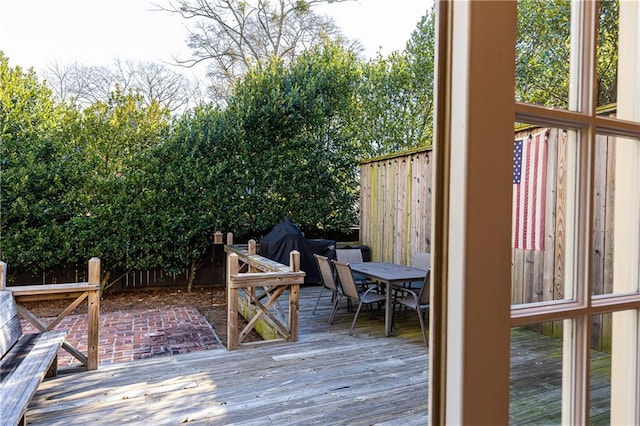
(472, 316)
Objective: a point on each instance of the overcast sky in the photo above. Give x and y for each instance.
(94, 32)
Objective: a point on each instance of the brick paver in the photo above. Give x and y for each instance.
(131, 335)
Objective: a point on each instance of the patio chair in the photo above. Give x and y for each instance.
(349, 255)
(353, 255)
(421, 260)
(417, 300)
(350, 290)
(328, 281)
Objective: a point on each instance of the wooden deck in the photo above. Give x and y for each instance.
(327, 377)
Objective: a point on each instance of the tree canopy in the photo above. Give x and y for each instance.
(124, 181)
(38, 167)
(395, 96)
(294, 144)
(543, 52)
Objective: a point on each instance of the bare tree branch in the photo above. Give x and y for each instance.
(234, 35)
(84, 85)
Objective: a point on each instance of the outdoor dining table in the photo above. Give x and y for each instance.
(389, 274)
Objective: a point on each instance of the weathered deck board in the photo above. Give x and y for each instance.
(324, 377)
(327, 377)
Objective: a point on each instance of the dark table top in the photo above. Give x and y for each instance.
(389, 272)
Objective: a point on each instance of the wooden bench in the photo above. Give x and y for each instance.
(25, 360)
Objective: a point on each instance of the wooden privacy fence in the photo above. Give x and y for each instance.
(395, 205)
(77, 292)
(255, 285)
(395, 221)
(539, 275)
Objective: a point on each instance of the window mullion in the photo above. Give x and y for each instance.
(577, 343)
(582, 98)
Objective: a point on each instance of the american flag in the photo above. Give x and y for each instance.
(529, 191)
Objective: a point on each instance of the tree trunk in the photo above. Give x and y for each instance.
(192, 275)
(104, 282)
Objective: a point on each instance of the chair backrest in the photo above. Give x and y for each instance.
(10, 329)
(347, 282)
(326, 271)
(424, 298)
(421, 260)
(349, 255)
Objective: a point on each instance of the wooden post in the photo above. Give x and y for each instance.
(233, 268)
(251, 249)
(229, 238)
(94, 314)
(294, 261)
(217, 237)
(294, 297)
(219, 259)
(3, 275)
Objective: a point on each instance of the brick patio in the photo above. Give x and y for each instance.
(139, 334)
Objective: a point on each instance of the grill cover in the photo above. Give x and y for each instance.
(285, 237)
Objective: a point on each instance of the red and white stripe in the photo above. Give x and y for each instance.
(529, 196)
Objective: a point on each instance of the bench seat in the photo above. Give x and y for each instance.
(24, 363)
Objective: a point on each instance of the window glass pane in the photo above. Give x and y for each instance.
(607, 53)
(543, 52)
(624, 366)
(625, 57)
(543, 193)
(603, 214)
(616, 215)
(600, 389)
(613, 363)
(536, 374)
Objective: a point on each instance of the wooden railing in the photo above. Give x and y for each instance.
(78, 292)
(256, 292)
